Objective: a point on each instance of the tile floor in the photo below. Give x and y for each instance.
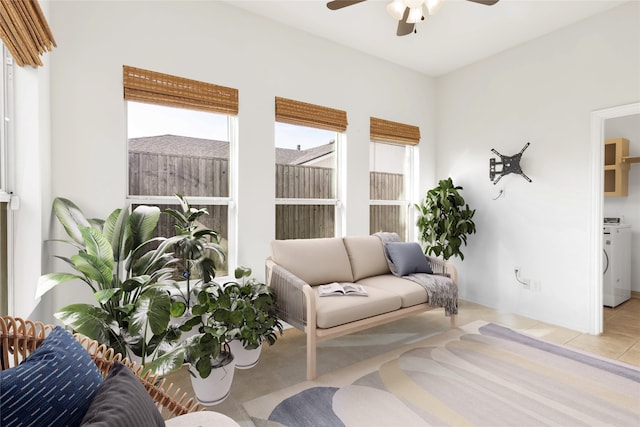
(283, 365)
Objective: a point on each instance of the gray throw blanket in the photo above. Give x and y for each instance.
(442, 291)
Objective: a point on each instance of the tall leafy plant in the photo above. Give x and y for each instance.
(445, 220)
(195, 246)
(127, 269)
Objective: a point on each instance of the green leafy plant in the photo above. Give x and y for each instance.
(445, 220)
(209, 348)
(195, 248)
(127, 270)
(242, 310)
(256, 302)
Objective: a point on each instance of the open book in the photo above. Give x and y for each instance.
(336, 288)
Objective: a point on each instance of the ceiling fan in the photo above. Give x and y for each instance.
(407, 12)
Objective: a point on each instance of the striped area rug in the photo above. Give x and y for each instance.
(482, 374)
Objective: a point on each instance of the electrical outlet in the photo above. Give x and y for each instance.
(536, 286)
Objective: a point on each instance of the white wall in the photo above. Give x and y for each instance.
(216, 43)
(629, 207)
(541, 92)
(29, 181)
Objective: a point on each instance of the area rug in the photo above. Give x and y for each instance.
(482, 374)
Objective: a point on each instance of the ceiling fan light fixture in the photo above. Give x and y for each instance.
(396, 9)
(433, 6)
(415, 15)
(413, 3)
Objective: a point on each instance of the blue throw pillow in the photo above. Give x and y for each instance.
(54, 386)
(407, 257)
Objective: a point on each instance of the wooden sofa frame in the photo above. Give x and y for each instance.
(19, 338)
(296, 305)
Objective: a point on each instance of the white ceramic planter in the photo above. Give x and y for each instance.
(216, 387)
(244, 358)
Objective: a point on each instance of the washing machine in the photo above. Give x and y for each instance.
(616, 283)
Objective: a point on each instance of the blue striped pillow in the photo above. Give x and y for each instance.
(54, 386)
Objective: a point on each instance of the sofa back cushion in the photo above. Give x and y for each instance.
(316, 261)
(366, 255)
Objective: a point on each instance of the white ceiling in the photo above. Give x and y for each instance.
(461, 33)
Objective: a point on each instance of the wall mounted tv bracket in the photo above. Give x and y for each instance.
(510, 164)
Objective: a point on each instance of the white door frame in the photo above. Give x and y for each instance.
(598, 119)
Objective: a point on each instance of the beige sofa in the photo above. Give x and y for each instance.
(296, 268)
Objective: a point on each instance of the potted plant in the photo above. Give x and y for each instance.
(126, 269)
(258, 322)
(195, 247)
(445, 220)
(208, 352)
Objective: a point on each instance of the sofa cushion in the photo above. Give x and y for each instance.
(409, 292)
(366, 255)
(407, 257)
(338, 310)
(316, 261)
(122, 401)
(52, 387)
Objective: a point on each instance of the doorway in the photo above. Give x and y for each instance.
(598, 119)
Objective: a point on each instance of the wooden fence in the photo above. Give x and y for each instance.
(166, 175)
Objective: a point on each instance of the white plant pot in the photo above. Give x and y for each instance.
(216, 387)
(244, 358)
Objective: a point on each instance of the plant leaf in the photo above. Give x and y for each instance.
(71, 217)
(117, 231)
(49, 281)
(93, 268)
(143, 220)
(152, 308)
(86, 319)
(178, 308)
(104, 295)
(169, 362)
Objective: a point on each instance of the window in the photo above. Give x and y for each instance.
(391, 177)
(6, 243)
(182, 147)
(308, 141)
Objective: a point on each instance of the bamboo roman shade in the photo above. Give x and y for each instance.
(164, 89)
(24, 30)
(388, 131)
(304, 114)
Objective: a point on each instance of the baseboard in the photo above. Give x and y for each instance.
(635, 294)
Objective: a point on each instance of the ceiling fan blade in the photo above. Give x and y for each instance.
(404, 28)
(339, 4)
(486, 2)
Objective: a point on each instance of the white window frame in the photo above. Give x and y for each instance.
(7, 200)
(340, 185)
(230, 202)
(410, 167)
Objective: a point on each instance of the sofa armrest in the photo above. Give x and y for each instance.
(444, 268)
(289, 291)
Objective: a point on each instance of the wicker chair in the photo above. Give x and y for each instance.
(19, 338)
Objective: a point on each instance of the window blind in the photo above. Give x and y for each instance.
(25, 32)
(388, 131)
(304, 114)
(164, 89)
